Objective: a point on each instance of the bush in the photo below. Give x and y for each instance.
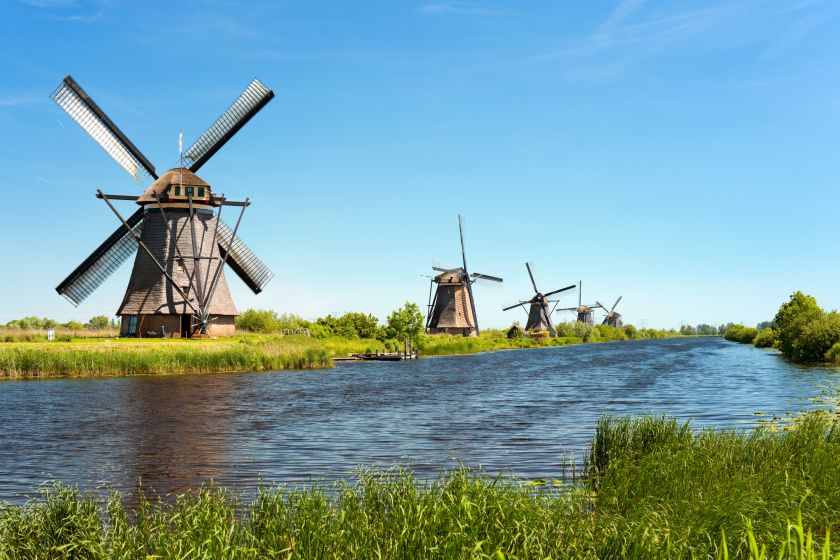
(257, 320)
(740, 333)
(766, 338)
(630, 331)
(833, 354)
(576, 329)
(816, 338)
(791, 320)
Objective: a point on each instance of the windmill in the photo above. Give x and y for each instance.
(177, 285)
(613, 317)
(539, 317)
(584, 312)
(452, 309)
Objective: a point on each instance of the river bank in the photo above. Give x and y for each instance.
(91, 357)
(651, 488)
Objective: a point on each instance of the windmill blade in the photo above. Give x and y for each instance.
(480, 276)
(82, 109)
(567, 309)
(561, 290)
(447, 270)
(615, 304)
(254, 98)
(514, 306)
(531, 274)
(107, 258)
(242, 260)
(461, 231)
(598, 304)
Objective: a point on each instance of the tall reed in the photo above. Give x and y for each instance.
(662, 491)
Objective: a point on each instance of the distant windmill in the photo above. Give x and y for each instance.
(452, 309)
(613, 317)
(584, 312)
(539, 317)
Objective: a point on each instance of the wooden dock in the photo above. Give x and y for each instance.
(378, 356)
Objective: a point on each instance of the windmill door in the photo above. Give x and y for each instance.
(186, 325)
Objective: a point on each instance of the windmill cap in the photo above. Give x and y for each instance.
(178, 176)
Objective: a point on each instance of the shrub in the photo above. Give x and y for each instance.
(740, 333)
(630, 331)
(576, 329)
(816, 338)
(792, 318)
(766, 338)
(257, 320)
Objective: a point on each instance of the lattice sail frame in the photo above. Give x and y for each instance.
(242, 260)
(255, 96)
(70, 97)
(102, 263)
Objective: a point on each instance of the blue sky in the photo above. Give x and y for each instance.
(685, 155)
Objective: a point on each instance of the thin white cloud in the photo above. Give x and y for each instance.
(458, 8)
(622, 12)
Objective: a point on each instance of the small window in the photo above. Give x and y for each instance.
(177, 191)
(190, 191)
(200, 191)
(132, 325)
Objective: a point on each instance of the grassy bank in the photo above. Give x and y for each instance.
(90, 357)
(652, 489)
(104, 357)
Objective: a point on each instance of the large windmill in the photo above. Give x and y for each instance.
(584, 312)
(177, 285)
(539, 316)
(613, 317)
(452, 309)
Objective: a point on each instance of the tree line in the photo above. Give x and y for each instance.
(801, 330)
(97, 323)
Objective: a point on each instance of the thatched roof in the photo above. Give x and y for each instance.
(178, 176)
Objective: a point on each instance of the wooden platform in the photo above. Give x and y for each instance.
(379, 356)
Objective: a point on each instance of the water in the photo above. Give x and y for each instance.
(517, 411)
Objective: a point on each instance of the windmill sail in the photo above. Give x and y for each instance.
(82, 109)
(242, 260)
(254, 98)
(106, 259)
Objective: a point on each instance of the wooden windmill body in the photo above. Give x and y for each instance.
(539, 315)
(177, 286)
(451, 310)
(613, 317)
(583, 312)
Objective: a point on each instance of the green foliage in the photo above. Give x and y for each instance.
(766, 338)
(257, 320)
(606, 333)
(32, 323)
(687, 330)
(816, 338)
(73, 326)
(706, 330)
(352, 325)
(99, 323)
(575, 329)
(833, 354)
(740, 333)
(406, 321)
(653, 488)
(791, 320)
(631, 331)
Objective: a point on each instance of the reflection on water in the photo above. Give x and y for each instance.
(520, 411)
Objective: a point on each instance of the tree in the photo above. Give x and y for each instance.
(73, 326)
(406, 321)
(706, 329)
(257, 320)
(99, 322)
(687, 330)
(791, 320)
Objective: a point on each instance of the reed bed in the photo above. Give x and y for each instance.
(652, 488)
(441, 345)
(155, 356)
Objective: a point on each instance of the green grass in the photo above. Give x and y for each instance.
(154, 356)
(653, 488)
(489, 340)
